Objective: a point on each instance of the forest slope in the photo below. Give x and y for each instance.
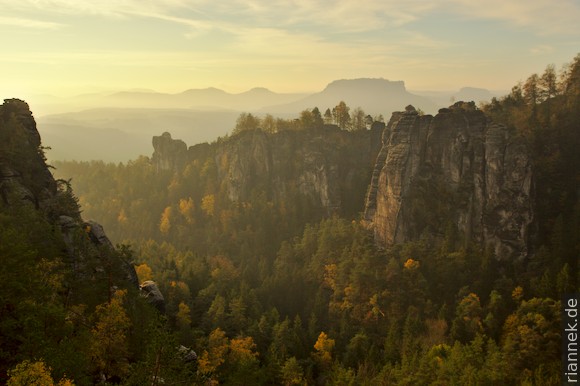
(276, 286)
(69, 307)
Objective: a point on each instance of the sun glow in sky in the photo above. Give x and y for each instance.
(64, 47)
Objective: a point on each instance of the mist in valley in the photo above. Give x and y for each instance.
(289, 193)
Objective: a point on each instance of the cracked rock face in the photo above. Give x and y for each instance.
(327, 166)
(322, 164)
(151, 292)
(455, 171)
(22, 165)
(169, 153)
(25, 178)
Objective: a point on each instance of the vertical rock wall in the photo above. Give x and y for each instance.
(453, 171)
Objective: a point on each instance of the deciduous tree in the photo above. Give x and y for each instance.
(342, 116)
(246, 121)
(165, 223)
(33, 374)
(109, 345)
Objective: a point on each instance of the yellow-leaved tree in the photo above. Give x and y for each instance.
(183, 317)
(214, 356)
(109, 346)
(186, 208)
(232, 361)
(165, 223)
(34, 374)
(144, 272)
(324, 346)
(208, 204)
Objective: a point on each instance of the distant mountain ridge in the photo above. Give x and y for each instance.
(117, 126)
(210, 98)
(122, 134)
(374, 95)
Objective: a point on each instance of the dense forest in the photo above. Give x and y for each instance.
(271, 286)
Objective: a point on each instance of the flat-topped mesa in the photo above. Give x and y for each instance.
(455, 173)
(367, 85)
(169, 154)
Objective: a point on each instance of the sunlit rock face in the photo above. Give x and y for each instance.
(169, 153)
(453, 174)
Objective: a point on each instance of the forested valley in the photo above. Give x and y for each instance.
(268, 284)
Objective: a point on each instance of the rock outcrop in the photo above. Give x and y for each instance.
(455, 173)
(25, 179)
(169, 153)
(21, 150)
(311, 164)
(328, 166)
(150, 291)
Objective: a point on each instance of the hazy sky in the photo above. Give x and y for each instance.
(67, 46)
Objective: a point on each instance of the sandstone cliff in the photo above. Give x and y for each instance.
(27, 186)
(455, 173)
(169, 153)
(328, 166)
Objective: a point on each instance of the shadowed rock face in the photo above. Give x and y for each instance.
(169, 153)
(25, 178)
(22, 164)
(453, 174)
(325, 165)
(453, 171)
(151, 292)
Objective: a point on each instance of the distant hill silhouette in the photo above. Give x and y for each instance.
(121, 134)
(474, 94)
(374, 96)
(119, 126)
(207, 98)
(466, 94)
